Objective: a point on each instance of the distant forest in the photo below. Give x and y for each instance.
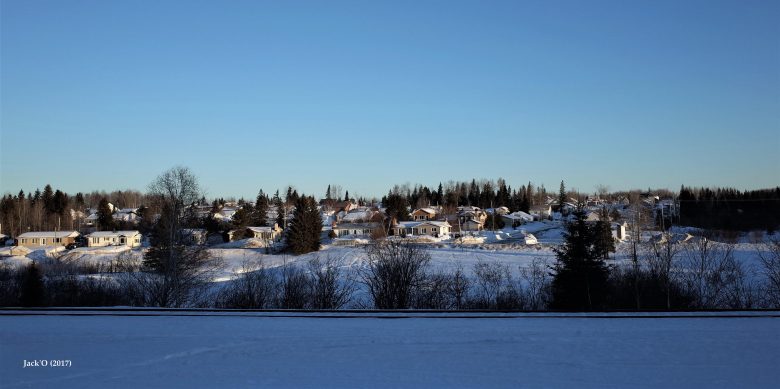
(730, 209)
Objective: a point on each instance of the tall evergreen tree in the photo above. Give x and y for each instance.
(580, 281)
(346, 196)
(328, 194)
(603, 242)
(31, 290)
(261, 210)
(303, 234)
(561, 197)
(105, 217)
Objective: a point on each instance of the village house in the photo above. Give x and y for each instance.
(47, 238)
(131, 238)
(356, 229)
(417, 228)
(194, 236)
(516, 219)
(265, 233)
(427, 213)
(540, 211)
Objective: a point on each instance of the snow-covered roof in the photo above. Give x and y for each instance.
(436, 223)
(107, 234)
(49, 234)
(261, 229)
(428, 210)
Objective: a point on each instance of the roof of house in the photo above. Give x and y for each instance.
(261, 229)
(49, 234)
(350, 226)
(428, 210)
(106, 234)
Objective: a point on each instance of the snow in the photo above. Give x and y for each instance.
(448, 350)
(49, 234)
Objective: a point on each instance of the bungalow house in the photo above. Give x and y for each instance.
(194, 236)
(131, 238)
(355, 229)
(619, 230)
(472, 224)
(265, 233)
(47, 238)
(540, 211)
(126, 215)
(516, 219)
(417, 228)
(426, 213)
(498, 211)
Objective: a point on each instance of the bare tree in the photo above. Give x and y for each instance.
(769, 256)
(294, 288)
(710, 270)
(176, 271)
(331, 288)
(459, 288)
(253, 288)
(394, 272)
(537, 284)
(662, 261)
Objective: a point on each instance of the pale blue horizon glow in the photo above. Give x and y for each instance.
(105, 95)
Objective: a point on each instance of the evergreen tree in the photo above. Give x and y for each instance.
(105, 218)
(303, 234)
(48, 200)
(31, 290)
(396, 207)
(561, 197)
(261, 210)
(603, 242)
(580, 281)
(346, 196)
(327, 193)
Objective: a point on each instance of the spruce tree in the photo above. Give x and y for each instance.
(603, 242)
(105, 218)
(581, 277)
(346, 196)
(561, 197)
(31, 290)
(304, 232)
(261, 210)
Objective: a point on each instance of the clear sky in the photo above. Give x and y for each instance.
(250, 94)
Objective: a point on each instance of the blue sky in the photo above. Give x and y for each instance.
(251, 94)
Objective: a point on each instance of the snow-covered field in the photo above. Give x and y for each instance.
(369, 352)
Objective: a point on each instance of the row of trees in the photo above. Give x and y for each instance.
(730, 209)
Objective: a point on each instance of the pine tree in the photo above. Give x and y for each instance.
(346, 196)
(580, 281)
(327, 193)
(561, 197)
(31, 290)
(105, 218)
(603, 242)
(304, 232)
(261, 210)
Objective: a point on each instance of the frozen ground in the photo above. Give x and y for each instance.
(368, 352)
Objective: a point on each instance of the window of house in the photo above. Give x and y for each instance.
(58, 240)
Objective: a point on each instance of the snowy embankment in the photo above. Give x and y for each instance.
(366, 351)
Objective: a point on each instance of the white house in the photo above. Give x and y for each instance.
(355, 229)
(541, 211)
(265, 233)
(515, 219)
(417, 228)
(130, 238)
